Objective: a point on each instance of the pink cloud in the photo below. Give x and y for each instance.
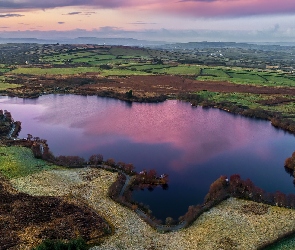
(222, 8)
(196, 8)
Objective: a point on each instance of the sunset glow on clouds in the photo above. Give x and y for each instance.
(151, 15)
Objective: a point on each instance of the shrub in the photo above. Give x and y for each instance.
(290, 162)
(75, 244)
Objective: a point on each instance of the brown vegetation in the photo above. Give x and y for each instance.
(290, 162)
(27, 220)
(144, 88)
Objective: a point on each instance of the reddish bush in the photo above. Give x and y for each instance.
(95, 159)
(217, 189)
(70, 161)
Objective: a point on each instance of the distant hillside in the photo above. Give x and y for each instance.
(84, 40)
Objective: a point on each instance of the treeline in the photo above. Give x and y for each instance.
(128, 96)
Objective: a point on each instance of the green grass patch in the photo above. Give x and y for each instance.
(108, 61)
(54, 71)
(129, 52)
(4, 70)
(4, 85)
(277, 79)
(253, 101)
(244, 99)
(179, 70)
(148, 67)
(245, 77)
(122, 72)
(19, 161)
(284, 244)
(212, 78)
(215, 72)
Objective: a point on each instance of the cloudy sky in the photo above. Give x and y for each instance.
(163, 20)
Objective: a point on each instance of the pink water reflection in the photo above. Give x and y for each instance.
(195, 132)
(198, 136)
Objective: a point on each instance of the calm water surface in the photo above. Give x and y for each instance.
(194, 146)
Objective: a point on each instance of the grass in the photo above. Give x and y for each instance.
(285, 244)
(54, 71)
(179, 70)
(4, 70)
(136, 61)
(148, 67)
(19, 162)
(75, 244)
(129, 52)
(4, 86)
(247, 76)
(244, 99)
(122, 72)
(216, 72)
(253, 101)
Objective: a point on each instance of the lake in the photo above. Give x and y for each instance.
(194, 146)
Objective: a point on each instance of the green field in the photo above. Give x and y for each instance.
(252, 101)
(247, 76)
(55, 71)
(19, 161)
(122, 72)
(179, 70)
(141, 61)
(4, 86)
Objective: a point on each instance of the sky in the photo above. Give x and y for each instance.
(162, 20)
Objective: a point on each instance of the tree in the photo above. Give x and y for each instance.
(290, 162)
(152, 174)
(280, 199)
(95, 159)
(291, 200)
(29, 137)
(110, 162)
(129, 94)
(169, 221)
(129, 168)
(217, 189)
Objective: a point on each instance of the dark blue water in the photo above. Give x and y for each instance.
(194, 146)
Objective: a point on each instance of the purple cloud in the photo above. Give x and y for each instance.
(73, 13)
(196, 8)
(10, 15)
(37, 4)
